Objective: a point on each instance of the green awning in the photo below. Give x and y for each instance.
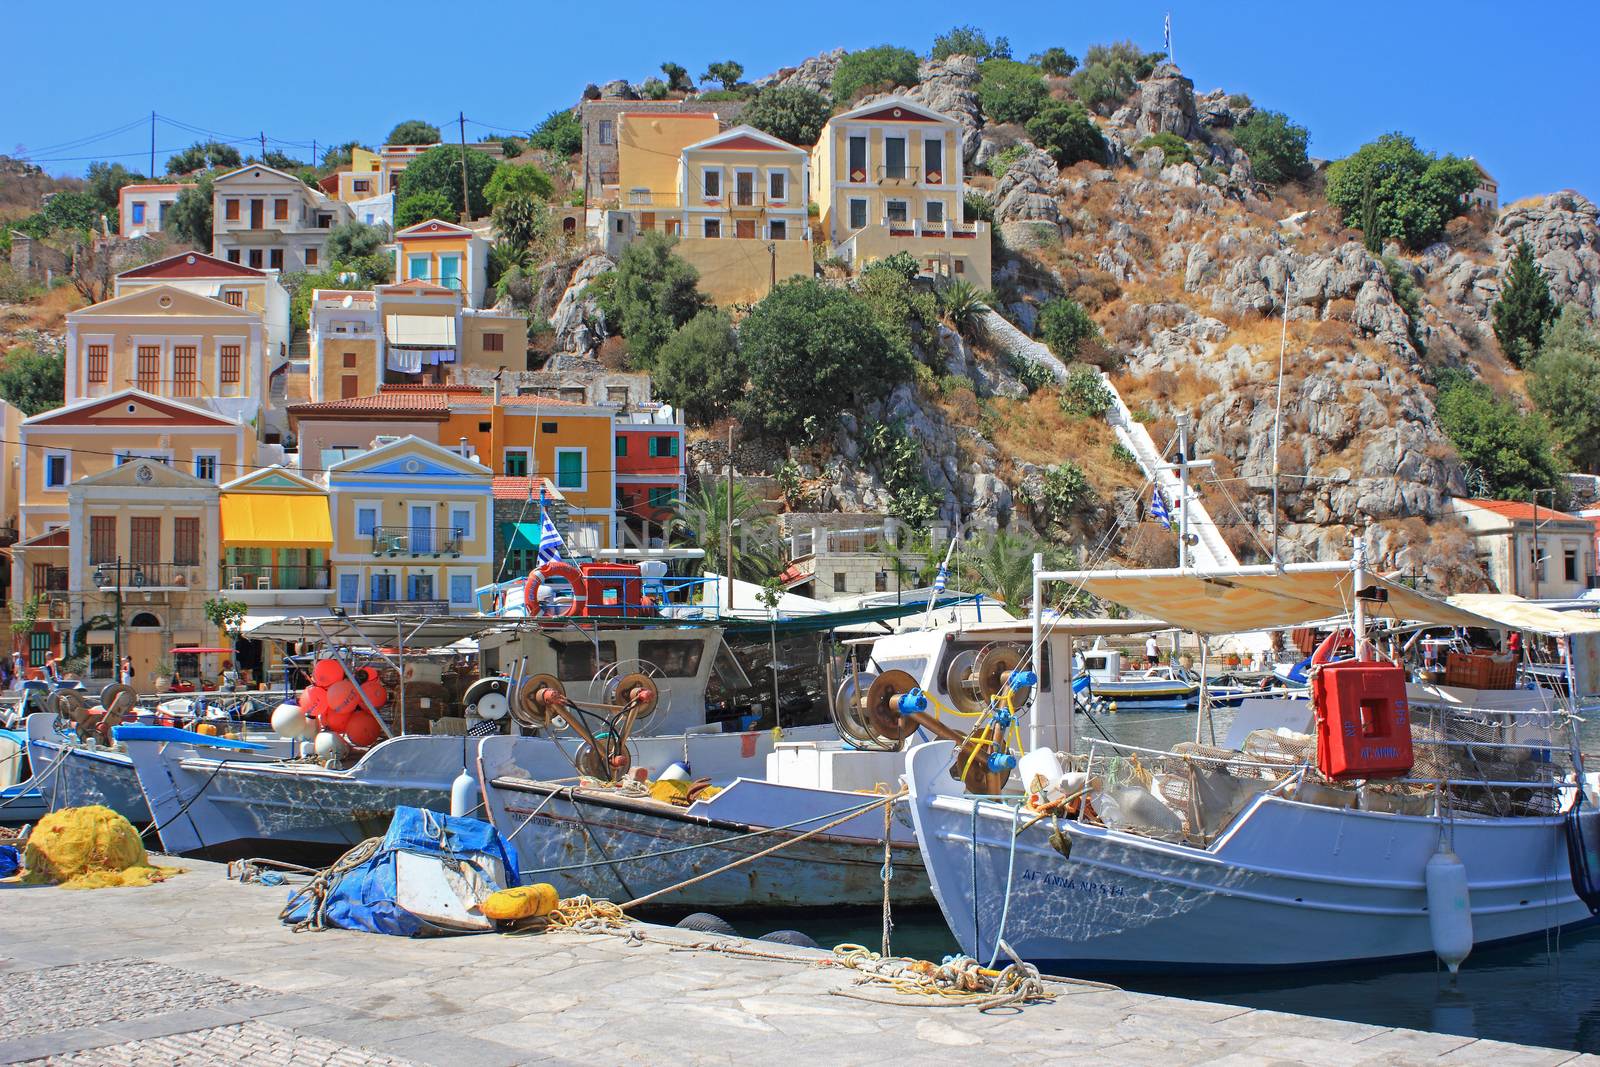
(524, 535)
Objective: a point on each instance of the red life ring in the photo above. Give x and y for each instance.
(556, 569)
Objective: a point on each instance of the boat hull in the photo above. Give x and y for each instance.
(68, 775)
(584, 842)
(1286, 885)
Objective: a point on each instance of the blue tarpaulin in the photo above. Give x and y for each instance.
(363, 898)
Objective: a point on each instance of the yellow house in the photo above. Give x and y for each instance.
(169, 342)
(234, 284)
(365, 178)
(412, 529)
(649, 148)
(145, 534)
(445, 254)
(887, 177)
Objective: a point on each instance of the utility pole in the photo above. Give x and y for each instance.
(1537, 559)
(263, 146)
(728, 520)
(772, 251)
(466, 200)
(152, 145)
(1183, 492)
(313, 151)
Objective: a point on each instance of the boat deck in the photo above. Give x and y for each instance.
(199, 970)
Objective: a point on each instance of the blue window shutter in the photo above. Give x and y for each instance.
(349, 588)
(461, 589)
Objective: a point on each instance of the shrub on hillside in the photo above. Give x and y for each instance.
(438, 170)
(651, 293)
(1064, 325)
(882, 68)
(1056, 62)
(790, 113)
(1111, 72)
(1525, 309)
(1390, 188)
(561, 134)
(1066, 131)
(1174, 149)
(698, 370)
(1084, 394)
(1010, 91)
(1508, 452)
(1562, 383)
(1276, 147)
(970, 41)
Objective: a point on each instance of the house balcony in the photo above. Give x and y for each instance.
(901, 176)
(291, 585)
(147, 577)
(57, 606)
(646, 198)
(405, 607)
(417, 541)
(934, 230)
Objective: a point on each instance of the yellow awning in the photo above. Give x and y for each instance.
(1515, 613)
(276, 520)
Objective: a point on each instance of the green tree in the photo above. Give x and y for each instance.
(414, 131)
(561, 134)
(281, 161)
(701, 519)
(521, 220)
(339, 155)
(1056, 62)
(70, 211)
(654, 89)
(877, 69)
(1508, 450)
(652, 292)
(353, 240)
(1563, 384)
(1066, 131)
(420, 207)
(1111, 72)
(1064, 325)
(903, 308)
(189, 218)
(698, 369)
(727, 73)
(790, 113)
(1063, 491)
(1413, 193)
(105, 182)
(525, 179)
(1000, 565)
(970, 41)
(1525, 309)
(301, 284)
(438, 170)
(206, 155)
(1084, 394)
(813, 351)
(678, 79)
(1010, 91)
(1276, 147)
(32, 380)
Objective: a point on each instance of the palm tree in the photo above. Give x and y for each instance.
(1001, 565)
(962, 304)
(700, 520)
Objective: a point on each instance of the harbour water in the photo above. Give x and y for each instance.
(1535, 992)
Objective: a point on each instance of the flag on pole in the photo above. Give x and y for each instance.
(1159, 510)
(550, 543)
(941, 579)
(1166, 32)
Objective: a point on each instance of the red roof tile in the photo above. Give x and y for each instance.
(1519, 511)
(508, 487)
(531, 401)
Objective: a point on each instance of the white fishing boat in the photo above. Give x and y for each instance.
(806, 827)
(1105, 682)
(1115, 858)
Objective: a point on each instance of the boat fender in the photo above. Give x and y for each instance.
(1449, 907)
(329, 745)
(521, 902)
(789, 937)
(678, 772)
(706, 923)
(464, 797)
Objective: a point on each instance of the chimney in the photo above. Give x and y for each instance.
(465, 454)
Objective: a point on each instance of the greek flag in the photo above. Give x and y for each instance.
(550, 543)
(941, 579)
(1159, 510)
(1166, 31)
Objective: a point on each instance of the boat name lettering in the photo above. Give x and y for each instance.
(1077, 885)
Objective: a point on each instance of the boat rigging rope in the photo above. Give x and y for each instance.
(35, 780)
(323, 883)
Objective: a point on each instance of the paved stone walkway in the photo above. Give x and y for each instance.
(198, 970)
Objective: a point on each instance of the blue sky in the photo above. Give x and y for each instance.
(1451, 75)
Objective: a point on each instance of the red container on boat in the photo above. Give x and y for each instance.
(1363, 720)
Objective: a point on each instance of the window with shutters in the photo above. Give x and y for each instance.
(99, 364)
(147, 368)
(186, 540)
(312, 257)
(280, 210)
(102, 538)
(234, 298)
(494, 342)
(230, 364)
(517, 462)
(230, 209)
(185, 374)
(144, 541)
(569, 468)
(275, 259)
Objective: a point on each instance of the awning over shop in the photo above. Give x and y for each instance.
(1262, 598)
(1515, 613)
(524, 535)
(420, 331)
(275, 520)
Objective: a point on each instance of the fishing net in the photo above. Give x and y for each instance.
(89, 848)
(1464, 746)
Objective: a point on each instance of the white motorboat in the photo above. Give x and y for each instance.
(1210, 858)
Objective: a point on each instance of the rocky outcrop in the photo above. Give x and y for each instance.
(1166, 104)
(1025, 200)
(1215, 110)
(950, 87)
(1565, 236)
(815, 74)
(618, 90)
(578, 323)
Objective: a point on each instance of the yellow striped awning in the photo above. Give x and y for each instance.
(276, 520)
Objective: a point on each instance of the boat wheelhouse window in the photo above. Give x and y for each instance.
(677, 657)
(576, 660)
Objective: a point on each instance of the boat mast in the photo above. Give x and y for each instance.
(1358, 617)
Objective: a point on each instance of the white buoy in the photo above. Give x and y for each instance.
(289, 722)
(463, 795)
(675, 773)
(331, 746)
(1449, 907)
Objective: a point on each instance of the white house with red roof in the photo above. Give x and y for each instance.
(1529, 550)
(142, 207)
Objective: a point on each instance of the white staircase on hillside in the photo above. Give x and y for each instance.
(1210, 551)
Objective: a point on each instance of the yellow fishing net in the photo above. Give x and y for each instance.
(89, 848)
